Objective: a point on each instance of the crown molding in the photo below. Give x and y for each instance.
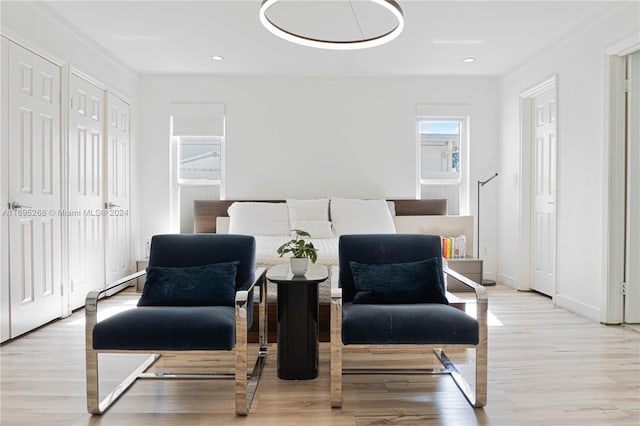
(61, 22)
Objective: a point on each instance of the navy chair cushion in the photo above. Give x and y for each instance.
(384, 249)
(410, 282)
(407, 324)
(158, 328)
(207, 285)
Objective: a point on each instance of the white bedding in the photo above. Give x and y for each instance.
(270, 224)
(266, 246)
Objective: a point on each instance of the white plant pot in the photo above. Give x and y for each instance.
(299, 265)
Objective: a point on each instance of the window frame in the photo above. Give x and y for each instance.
(458, 113)
(463, 141)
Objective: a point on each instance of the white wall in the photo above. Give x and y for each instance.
(313, 137)
(579, 64)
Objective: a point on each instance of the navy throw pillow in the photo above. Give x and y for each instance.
(393, 283)
(207, 285)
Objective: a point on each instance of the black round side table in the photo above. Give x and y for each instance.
(297, 320)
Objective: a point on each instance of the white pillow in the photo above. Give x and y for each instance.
(311, 216)
(316, 228)
(258, 218)
(361, 217)
(308, 210)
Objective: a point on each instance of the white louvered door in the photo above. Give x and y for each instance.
(86, 219)
(34, 190)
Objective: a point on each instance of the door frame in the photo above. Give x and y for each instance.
(526, 181)
(612, 308)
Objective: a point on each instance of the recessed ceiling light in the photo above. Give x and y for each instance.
(455, 41)
(217, 57)
(130, 37)
(469, 60)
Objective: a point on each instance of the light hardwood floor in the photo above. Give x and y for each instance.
(546, 367)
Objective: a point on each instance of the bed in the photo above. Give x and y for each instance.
(265, 219)
(207, 211)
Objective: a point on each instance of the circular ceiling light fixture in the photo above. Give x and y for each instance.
(361, 42)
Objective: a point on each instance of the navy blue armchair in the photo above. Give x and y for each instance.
(198, 297)
(391, 294)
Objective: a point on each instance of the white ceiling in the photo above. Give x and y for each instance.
(170, 37)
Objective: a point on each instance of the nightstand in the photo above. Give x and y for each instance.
(470, 267)
(141, 265)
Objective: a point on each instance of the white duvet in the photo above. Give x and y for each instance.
(266, 246)
(266, 255)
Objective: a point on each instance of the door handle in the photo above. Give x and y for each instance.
(16, 205)
(110, 205)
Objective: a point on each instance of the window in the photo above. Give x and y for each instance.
(442, 146)
(199, 159)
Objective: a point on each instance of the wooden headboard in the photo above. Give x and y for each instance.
(206, 211)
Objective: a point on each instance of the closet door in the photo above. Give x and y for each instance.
(86, 221)
(117, 190)
(34, 190)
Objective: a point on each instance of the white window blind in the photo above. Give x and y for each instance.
(197, 119)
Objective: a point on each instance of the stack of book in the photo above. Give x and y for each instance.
(454, 247)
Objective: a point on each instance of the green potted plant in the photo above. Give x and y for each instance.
(301, 252)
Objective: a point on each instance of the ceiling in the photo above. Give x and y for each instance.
(180, 37)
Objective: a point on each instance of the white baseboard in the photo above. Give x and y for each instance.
(587, 311)
(508, 281)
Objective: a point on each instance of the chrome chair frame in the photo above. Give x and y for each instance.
(476, 399)
(245, 384)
